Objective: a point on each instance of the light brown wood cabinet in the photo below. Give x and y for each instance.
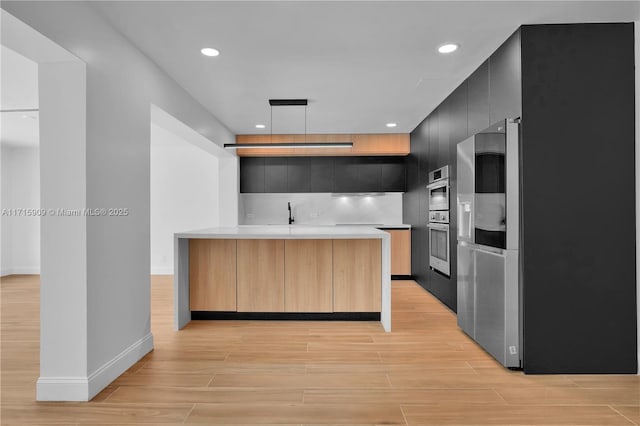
(297, 275)
(357, 272)
(400, 251)
(363, 144)
(212, 275)
(308, 281)
(260, 282)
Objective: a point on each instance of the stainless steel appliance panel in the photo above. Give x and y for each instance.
(439, 252)
(439, 195)
(465, 175)
(466, 289)
(489, 302)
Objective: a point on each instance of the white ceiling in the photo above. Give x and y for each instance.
(19, 90)
(360, 64)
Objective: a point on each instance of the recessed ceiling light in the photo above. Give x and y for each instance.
(208, 51)
(260, 126)
(391, 124)
(448, 48)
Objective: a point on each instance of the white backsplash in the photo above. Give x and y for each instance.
(321, 208)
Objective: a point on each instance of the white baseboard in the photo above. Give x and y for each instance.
(162, 270)
(20, 271)
(85, 388)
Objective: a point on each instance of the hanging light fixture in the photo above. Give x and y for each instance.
(290, 102)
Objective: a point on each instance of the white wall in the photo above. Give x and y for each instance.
(114, 293)
(20, 190)
(321, 208)
(184, 193)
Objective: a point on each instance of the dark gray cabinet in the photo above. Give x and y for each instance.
(478, 100)
(322, 174)
(505, 77)
(299, 174)
(346, 175)
(393, 174)
(275, 174)
(251, 174)
(565, 81)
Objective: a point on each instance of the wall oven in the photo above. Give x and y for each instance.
(438, 188)
(439, 250)
(438, 226)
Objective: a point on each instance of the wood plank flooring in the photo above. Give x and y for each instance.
(250, 372)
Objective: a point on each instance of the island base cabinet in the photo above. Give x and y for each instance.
(357, 272)
(260, 275)
(212, 275)
(308, 276)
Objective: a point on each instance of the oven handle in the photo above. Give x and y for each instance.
(439, 226)
(439, 184)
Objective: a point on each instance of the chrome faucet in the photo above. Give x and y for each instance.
(291, 218)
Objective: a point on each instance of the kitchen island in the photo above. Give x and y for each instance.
(282, 272)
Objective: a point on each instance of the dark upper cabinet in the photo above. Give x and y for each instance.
(275, 174)
(478, 100)
(251, 174)
(458, 112)
(369, 174)
(346, 174)
(321, 174)
(505, 88)
(298, 174)
(393, 174)
(444, 128)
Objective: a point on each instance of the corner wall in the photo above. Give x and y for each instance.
(20, 189)
(184, 193)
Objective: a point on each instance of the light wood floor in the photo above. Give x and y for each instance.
(248, 372)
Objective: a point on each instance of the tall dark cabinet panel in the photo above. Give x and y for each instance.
(505, 99)
(578, 198)
(478, 100)
(251, 174)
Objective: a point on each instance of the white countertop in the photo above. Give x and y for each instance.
(287, 232)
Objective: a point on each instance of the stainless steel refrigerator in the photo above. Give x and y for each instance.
(488, 214)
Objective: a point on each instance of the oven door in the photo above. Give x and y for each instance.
(439, 251)
(439, 195)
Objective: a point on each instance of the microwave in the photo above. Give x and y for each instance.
(438, 189)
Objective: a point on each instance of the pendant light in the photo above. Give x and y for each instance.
(290, 102)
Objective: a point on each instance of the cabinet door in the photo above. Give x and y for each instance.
(393, 174)
(275, 174)
(478, 95)
(251, 174)
(212, 275)
(345, 171)
(357, 275)
(505, 93)
(369, 174)
(308, 280)
(260, 275)
(400, 251)
(298, 174)
(321, 174)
